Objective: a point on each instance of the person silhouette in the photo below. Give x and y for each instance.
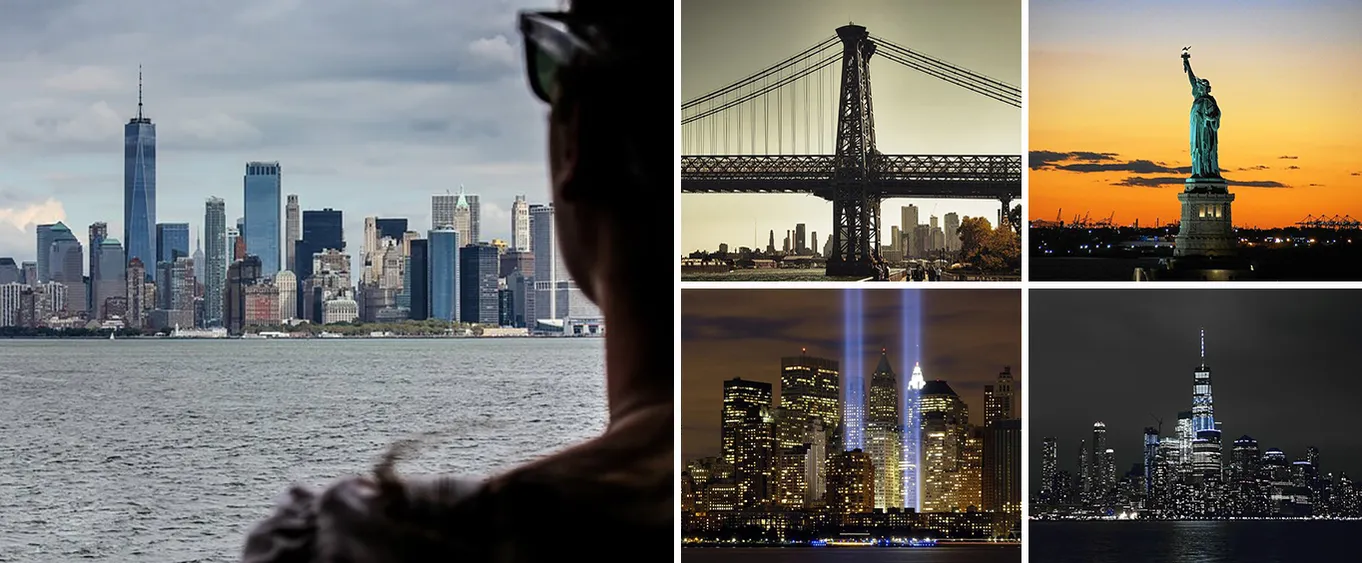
(606, 74)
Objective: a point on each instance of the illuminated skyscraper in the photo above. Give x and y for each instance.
(809, 386)
(945, 431)
(139, 185)
(1049, 469)
(998, 398)
(912, 440)
(883, 435)
(1206, 448)
(748, 431)
(851, 483)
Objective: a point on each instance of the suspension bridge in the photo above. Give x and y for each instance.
(770, 133)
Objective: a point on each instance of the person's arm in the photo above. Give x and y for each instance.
(361, 521)
(1187, 67)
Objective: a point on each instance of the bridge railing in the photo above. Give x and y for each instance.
(961, 168)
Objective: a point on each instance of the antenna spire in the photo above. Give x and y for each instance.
(139, 91)
(1203, 346)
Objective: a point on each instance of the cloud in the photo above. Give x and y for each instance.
(1044, 159)
(1284, 157)
(1160, 181)
(1293, 168)
(1357, 173)
(1248, 168)
(86, 79)
(496, 50)
(18, 221)
(1316, 185)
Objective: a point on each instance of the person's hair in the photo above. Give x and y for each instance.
(618, 98)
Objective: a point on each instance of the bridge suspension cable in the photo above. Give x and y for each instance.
(962, 77)
(777, 68)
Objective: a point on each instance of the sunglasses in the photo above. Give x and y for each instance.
(550, 45)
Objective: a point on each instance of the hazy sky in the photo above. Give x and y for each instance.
(723, 42)
(370, 107)
(1283, 369)
(967, 337)
(1106, 79)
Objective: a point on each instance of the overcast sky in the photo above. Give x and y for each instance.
(1283, 369)
(371, 107)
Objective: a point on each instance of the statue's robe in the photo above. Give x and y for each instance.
(1205, 128)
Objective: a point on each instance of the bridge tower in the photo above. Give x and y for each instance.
(855, 206)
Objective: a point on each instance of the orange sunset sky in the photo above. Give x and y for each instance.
(1109, 104)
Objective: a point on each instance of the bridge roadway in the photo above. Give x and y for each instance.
(922, 176)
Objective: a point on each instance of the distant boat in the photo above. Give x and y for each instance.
(111, 336)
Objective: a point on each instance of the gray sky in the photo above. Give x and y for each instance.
(370, 107)
(723, 41)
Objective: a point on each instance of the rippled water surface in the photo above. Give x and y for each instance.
(1258, 541)
(142, 450)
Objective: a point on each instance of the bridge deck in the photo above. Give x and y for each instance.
(932, 176)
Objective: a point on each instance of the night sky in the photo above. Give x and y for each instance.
(967, 338)
(1283, 369)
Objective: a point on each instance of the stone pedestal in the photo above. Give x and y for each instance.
(1207, 228)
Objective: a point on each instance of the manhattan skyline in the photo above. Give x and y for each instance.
(967, 337)
(1145, 346)
(1108, 107)
(369, 131)
(914, 113)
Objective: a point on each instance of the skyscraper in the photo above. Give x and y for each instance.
(1002, 467)
(1049, 469)
(810, 385)
(292, 233)
(260, 192)
(322, 229)
(215, 260)
(520, 224)
(442, 210)
(418, 279)
(912, 440)
(478, 288)
(45, 235)
(952, 231)
(998, 398)
(444, 274)
(98, 232)
(945, 430)
(287, 285)
(109, 283)
(883, 438)
(66, 258)
(548, 266)
(394, 228)
(139, 185)
(172, 241)
(747, 429)
(1206, 447)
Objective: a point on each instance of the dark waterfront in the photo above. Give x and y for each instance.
(1258, 541)
(939, 554)
(165, 450)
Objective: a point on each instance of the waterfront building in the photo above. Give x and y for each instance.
(261, 190)
(444, 274)
(139, 186)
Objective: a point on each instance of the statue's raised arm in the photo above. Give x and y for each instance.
(1187, 68)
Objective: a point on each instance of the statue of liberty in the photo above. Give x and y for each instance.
(1205, 124)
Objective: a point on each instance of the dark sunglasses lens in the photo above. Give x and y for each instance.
(545, 73)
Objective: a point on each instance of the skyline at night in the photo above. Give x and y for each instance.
(1108, 107)
(1146, 345)
(967, 337)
